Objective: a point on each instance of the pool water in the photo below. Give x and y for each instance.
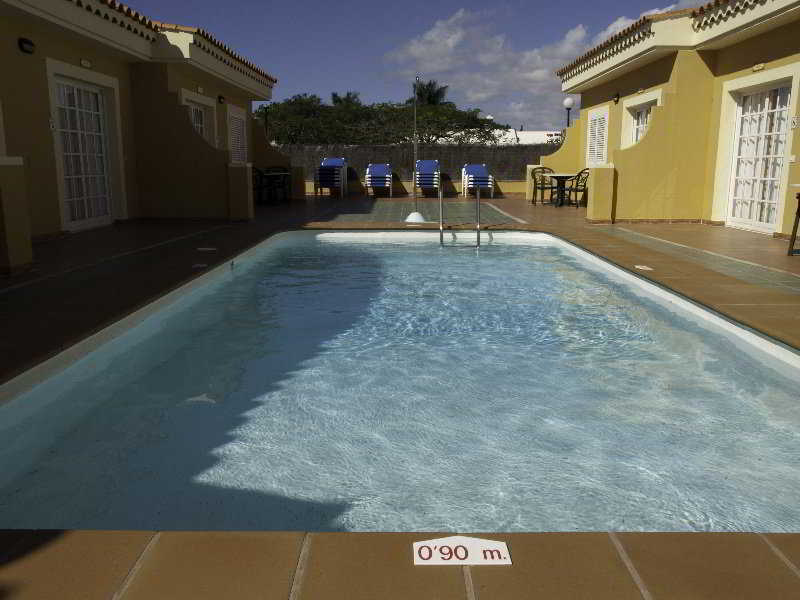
(332, 384)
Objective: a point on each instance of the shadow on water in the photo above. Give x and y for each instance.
(131, 455)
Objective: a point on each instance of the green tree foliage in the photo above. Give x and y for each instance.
(430, 93)
(305, 119)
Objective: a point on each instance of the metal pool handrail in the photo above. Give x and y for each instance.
(477, 217)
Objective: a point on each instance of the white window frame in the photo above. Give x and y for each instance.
(189, 99)
(116, 171)
(197, 115)
(731, 92)
(594, 159)
(730, 220)
(98, 220)
(632, 105)
(238, 112)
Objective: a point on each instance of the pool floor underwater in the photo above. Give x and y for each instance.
(339, 385)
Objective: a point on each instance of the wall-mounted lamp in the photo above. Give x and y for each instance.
(616, 98)
(199, 89)
(221, 99)
(86, 63)
(25, 45)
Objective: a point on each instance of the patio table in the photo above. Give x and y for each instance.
(561, 183)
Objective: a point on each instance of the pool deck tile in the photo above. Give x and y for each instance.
(79, 565)
(141, 261)
(709, 566)
(789, 546)
(196, 565)
(556, 566)
(371, 566)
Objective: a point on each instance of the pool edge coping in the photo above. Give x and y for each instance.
(58, 362)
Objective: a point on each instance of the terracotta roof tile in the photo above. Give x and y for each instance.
(701, 10)
(156, 26)
(121, 8)
(219, 44)
(600, 47)
(625, 32)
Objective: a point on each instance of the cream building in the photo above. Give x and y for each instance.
(107, 115)
(691, 115)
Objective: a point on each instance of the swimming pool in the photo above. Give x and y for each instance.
(375, 381)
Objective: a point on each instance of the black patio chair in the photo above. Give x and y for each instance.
(577, 185)
(259, 184)
(542, 182)
(276, 183)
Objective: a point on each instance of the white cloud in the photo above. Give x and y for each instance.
(466, 53)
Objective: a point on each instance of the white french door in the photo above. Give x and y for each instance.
(759, 157)
(83, 140)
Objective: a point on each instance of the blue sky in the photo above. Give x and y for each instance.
(499, 57)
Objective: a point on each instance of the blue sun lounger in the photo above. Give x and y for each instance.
(475, 176)
(379, 175)
(427, 175)
(332, 173)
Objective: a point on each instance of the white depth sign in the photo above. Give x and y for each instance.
(461, 550)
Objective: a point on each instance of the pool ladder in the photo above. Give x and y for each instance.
(477, 217)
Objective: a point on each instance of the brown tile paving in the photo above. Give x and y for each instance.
(371, 566)
(733, 293)
(84, 564)
(79, 565)
(710, 566)
(744, 245)
(199, 565)
(789, 545)
(557, 566)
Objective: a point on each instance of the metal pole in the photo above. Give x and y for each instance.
(478, 213)
(414, 183)
(569, 109)
(441, 217)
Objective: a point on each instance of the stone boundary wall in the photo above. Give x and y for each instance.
(504, 162)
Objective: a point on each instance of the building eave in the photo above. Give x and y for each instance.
(121, 28)
(725, 24)
(105, 21)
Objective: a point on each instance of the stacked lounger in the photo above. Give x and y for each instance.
(427, 175)
(379, 175)
(474, 176)
(332, 173)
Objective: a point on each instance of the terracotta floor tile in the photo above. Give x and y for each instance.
(709, 566)
(80, 565)
(731, 293)
(215, 565)
(369, 566)
(556, 566)
(789, 544)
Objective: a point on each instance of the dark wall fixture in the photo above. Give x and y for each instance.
(221, 99)
(26, 45)
(616, 98)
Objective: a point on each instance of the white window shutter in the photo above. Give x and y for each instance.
(238, 138)
(597, 138)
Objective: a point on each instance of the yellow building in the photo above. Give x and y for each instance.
(691, 115)
(108, 115)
